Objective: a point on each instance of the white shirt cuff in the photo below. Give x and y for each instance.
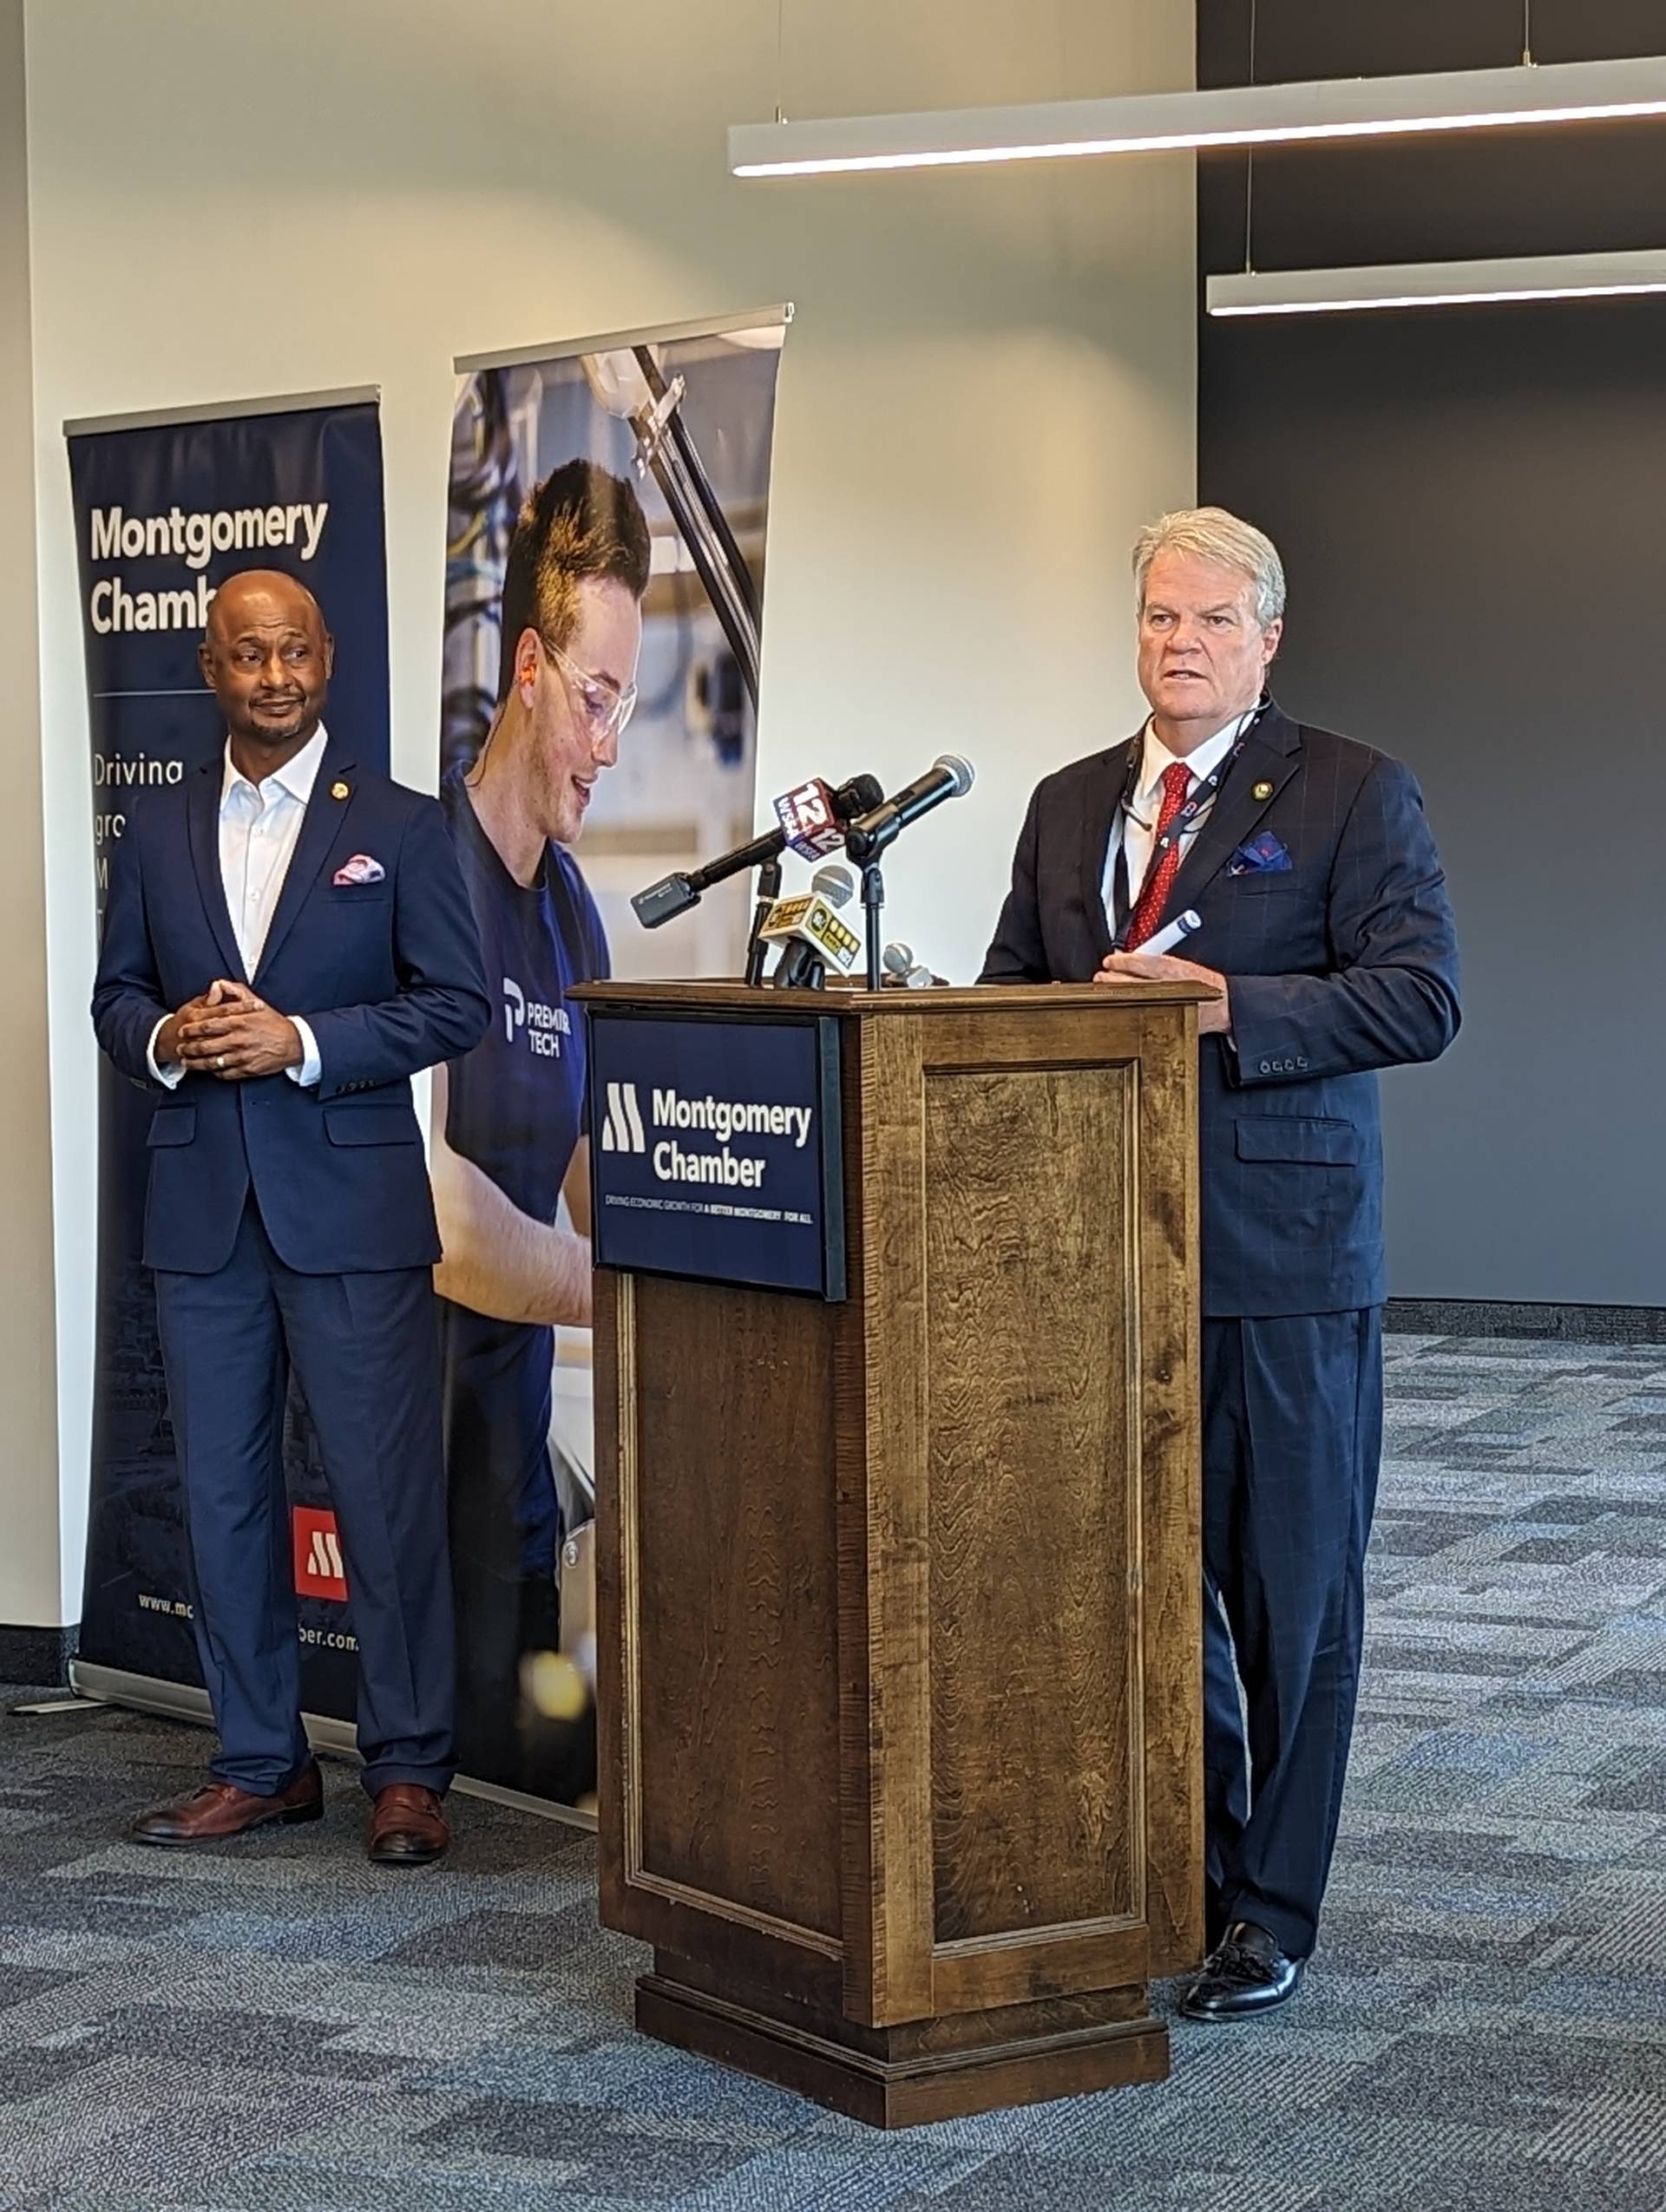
(311, 1067)
(168, 1077)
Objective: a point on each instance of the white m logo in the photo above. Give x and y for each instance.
(621, 1125)
(326, 1557)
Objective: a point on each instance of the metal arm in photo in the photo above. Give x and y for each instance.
(630, 384)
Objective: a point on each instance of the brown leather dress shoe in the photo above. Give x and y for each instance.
(407, 1826)
(219, 1809)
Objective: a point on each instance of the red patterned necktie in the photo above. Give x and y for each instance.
(1159, 880)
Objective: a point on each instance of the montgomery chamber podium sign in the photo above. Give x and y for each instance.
(715, 1147)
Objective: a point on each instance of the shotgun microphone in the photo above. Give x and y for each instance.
(809, 821)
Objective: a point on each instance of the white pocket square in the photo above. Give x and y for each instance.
(360, 869)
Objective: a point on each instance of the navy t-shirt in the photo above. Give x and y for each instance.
(515, 1108)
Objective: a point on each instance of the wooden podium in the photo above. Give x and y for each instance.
(899, 1597)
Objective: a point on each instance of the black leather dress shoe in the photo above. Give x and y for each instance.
(1245, 1974)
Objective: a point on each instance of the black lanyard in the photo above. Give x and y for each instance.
(1202, 797)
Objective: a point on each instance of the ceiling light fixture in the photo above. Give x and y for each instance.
(1435, 284)
(1259, 114)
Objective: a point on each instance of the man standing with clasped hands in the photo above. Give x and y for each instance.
(289, 1219)
(1326, 933)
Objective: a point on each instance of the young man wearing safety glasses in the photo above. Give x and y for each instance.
(509, 1135)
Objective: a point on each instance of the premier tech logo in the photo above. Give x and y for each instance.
(624, 1131)
(543, 1024)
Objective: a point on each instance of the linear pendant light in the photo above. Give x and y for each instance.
(1262, 114)
(1435, 284)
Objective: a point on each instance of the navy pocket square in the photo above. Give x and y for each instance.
(1263, 855)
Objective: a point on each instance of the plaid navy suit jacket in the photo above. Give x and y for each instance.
(1344, 963)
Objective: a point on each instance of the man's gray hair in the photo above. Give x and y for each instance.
(1213, 535)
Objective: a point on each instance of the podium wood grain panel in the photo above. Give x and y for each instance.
(1036, 1756)
(1169, 1352)
(891, 1734)
(737, 1703)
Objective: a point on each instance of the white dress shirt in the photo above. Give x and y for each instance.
(258, 826)
(1134, 830)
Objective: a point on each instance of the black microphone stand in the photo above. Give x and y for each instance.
(865, 849)
(769, 890)
(873, 900)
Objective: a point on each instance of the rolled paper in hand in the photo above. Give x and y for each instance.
(1172, 934)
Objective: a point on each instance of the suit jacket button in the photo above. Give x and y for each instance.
(1266, 1067)
(1300, 1063)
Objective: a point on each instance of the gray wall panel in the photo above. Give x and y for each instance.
(1471, 505)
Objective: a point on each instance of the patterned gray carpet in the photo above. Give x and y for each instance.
(280, 2026)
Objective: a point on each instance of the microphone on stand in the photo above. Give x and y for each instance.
(809, 821)
(866, 837)
(812, 819)
(812, 938)
(902, 970)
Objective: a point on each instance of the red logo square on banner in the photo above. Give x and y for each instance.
(319, 1569)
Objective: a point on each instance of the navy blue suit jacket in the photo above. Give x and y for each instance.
(1341, 963)
(387, 974)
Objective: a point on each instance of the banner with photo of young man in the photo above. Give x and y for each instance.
(604, 590)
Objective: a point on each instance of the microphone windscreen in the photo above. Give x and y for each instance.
(837, 885)
(960, 770)
(897, 957)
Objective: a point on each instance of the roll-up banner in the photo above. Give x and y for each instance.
(166, 508)
(604, 593)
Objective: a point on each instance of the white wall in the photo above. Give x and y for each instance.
(30, 1552)
(990, 382)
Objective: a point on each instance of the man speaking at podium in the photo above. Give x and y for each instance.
(1325, 929)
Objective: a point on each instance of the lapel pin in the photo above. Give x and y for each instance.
(1261, 791)
(339, 790)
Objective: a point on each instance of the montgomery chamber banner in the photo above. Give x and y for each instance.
(165, 510)
(605, 569)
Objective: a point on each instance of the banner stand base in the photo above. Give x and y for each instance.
(112, 1686)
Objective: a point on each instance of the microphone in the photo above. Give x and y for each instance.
(808, 928)
(902, 970)
(812, 818)
(948, 777)
(809, 821)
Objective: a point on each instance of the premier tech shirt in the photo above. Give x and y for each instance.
(516, 1109)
